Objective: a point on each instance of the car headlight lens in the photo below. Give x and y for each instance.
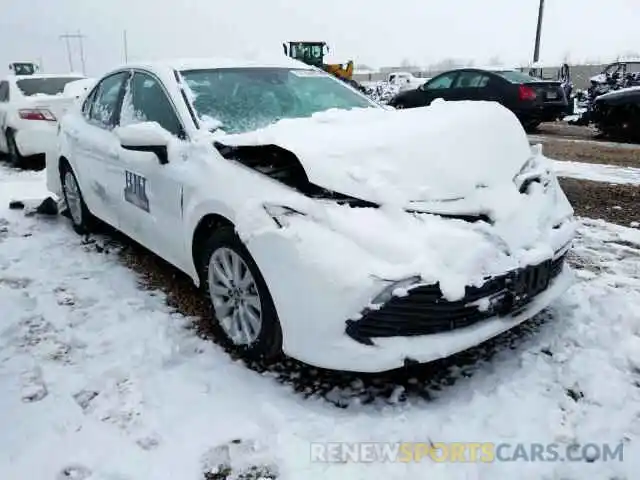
(392, 288)
(281, 214)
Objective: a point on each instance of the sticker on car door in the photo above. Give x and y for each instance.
(135, 190)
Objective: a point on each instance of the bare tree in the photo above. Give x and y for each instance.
(495, 60)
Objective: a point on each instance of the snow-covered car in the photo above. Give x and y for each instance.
(318, 223)
(30, 107)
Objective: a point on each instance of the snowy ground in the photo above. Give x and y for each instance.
(597, 172)
(101, 380)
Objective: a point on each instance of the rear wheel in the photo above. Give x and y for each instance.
(15, 159)
(531, 125)
(81, 219)
(243, 310)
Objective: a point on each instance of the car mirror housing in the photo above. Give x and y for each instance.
(145, 137)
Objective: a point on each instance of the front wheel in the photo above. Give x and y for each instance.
(81, 219)
(243, 309)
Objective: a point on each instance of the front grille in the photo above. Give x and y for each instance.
(425, 311)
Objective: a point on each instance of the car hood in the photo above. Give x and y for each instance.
(437, 153)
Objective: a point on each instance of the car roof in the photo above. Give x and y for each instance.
(180, 64)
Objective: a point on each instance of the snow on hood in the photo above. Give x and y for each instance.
(457, 158)
(440, 152)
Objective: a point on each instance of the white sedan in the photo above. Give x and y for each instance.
(30, 107)
(317, 223)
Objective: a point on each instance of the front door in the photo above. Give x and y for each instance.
(438, 87)
(151, 191)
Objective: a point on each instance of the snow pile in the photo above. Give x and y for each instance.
(597, 172)
(382, 92)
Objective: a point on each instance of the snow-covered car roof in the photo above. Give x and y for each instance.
(12, 77)
(276, 61)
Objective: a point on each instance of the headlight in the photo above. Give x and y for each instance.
(533, 170)
(280, 214)
(388, 293)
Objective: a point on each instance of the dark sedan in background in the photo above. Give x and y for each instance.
(532, 100)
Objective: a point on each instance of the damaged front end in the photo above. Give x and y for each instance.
(283, 166)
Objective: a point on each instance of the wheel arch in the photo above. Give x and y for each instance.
(204, 228)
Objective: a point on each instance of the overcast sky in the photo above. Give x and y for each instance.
(372, 32)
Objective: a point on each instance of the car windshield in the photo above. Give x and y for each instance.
(244, 99)
(514, 76)
(44, 86)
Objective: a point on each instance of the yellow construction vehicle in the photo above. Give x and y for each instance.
(312, 53)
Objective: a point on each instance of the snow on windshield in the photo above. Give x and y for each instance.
(244, 99)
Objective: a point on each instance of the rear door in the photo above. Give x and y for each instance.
(4, 106)
(470, 85)
(96, 150)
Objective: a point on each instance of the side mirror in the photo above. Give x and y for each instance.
(145, 137)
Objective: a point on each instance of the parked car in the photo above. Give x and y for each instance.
(30, 106)
(318, 223)
(405, 81)
(617, 114)
(532, 100)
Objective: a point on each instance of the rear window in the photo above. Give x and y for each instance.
(514, 76)
(44, 86)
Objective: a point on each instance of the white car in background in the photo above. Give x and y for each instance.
(30, 107)
(405, 81)
(318, 223)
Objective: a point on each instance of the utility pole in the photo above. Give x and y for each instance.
(66, 41)
(126, 52)
(80, 37)
(536, 51)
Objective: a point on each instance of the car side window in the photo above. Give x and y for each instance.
(86, 106)
(106, 98)
(471, 80)
(147, 101)
(4, 92)
(441, 82)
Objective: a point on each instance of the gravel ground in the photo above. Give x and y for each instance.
(598, 200)
(587, 151)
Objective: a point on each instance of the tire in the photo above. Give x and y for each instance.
(261, 340)
(531, 126)
(82, 220)
(13, 154)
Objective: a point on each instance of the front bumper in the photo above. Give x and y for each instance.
(391, 353)
(425, 311)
